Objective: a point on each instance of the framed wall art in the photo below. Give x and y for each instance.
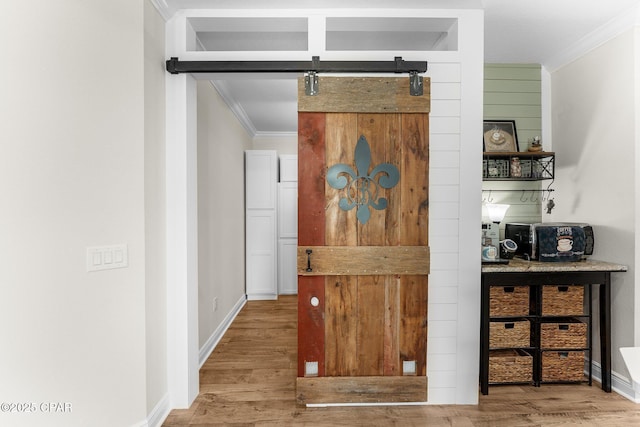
(500, 136)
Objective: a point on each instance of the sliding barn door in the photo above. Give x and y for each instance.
(363, 257)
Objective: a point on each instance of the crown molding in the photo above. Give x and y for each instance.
(235, 108)
(596, 38)
(278, 135)
(163, 8)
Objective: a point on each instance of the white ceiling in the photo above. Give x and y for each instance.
(547, 32)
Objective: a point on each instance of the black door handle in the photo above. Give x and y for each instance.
(309, 252)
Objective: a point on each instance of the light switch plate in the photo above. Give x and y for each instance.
(107, 257)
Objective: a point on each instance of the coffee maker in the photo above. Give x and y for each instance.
(490, 241)
(492, 249)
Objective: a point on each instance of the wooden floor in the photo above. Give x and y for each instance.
(249, 380)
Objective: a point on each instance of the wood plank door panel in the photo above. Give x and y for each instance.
(311, 197)
(362, 312)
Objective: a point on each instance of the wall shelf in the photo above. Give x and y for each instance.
(518, 166)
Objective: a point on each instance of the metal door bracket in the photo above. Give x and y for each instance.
(311, 83)
(415, 84)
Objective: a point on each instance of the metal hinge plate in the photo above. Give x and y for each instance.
(415, 84)
(311, 83)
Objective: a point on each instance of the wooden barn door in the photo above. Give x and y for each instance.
(363, 257)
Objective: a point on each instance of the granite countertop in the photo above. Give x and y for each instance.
(518, 265)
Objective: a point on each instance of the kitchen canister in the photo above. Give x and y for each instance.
(508, 249)
(516, 168)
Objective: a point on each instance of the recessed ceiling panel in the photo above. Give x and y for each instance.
(251, 34)
(400, 34)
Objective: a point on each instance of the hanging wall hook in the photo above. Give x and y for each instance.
(522, 198)
(549, 189)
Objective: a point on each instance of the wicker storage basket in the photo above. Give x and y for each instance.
(510, 334)
(510, 366)
(563, 366)
(508, 301)
(562, 300)
(563, 335)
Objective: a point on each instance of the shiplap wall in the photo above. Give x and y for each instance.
(512, 92)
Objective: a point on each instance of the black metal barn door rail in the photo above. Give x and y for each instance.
(398, 65)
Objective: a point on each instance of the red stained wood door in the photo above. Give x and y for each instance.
(363, 258)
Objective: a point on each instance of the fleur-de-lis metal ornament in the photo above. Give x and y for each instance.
(362, 187)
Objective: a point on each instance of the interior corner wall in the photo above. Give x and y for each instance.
(594, 137)
(155, 211)
(221, 144)
(72, 177)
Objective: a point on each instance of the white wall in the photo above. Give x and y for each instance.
(594, 101)
(221, 144)
(155, 213)
(283, 144)
(467, 271)
(72, 176)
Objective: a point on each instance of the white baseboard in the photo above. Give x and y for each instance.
(158, 414)
(217, 335)
(262, 297)
(161, 411)
(619, 383)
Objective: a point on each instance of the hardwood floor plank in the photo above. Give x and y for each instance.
(249, 380)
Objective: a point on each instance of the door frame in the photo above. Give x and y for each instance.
(182, 275)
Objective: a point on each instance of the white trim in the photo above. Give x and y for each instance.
(262, 297)
(235, 107)
(619, 383)
(217, 335)
(547, 116)
(181, 227)
(275, 134)
(601, 35)
(467, 340)
(162, 8)
(158, 414)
